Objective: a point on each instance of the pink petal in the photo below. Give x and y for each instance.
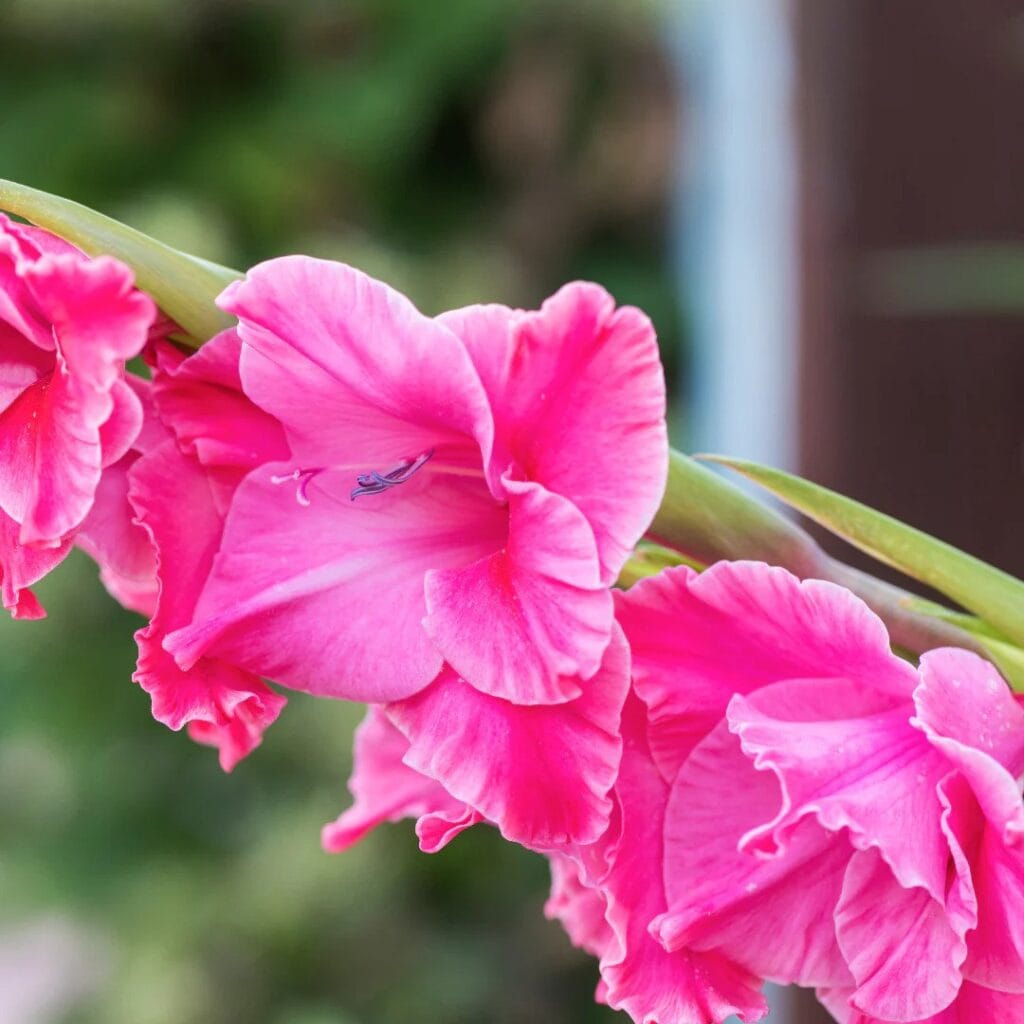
(969, 714)
(232, 707)
(902, 949)
(579, 404)
(541, 773)
(50, 437)
(353, 371)
(121, 547)
(652, 985)
(848, 756)
(995, 948)
(201, 398)
(773, 915)
(386, 789)
(974, 1005)
(22, 363)
(20, 567)
(119, 431)
(326, 594)
(698, 639)
(580, 908)
(525, 622)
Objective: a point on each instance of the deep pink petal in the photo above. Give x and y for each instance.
(119, 431)
(541, 773)
(201, 399)
(698, 639)
(326, 594)
(969, 714)
(652, 985)
(386, 789)
(20, 567)
(771, 914)
(354, 372)
(974, 1005)
(232, 707)
(580, 908)
(530, 621)
(579, 404)
(50, 436)
(848, 756)
(121, 547)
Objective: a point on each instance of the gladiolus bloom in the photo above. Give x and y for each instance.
(837, 818)
(459, 496)
(67, 325)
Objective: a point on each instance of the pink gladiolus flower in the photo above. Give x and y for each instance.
(461, 493)
(836, 818)
(180, 491)
(67, 325)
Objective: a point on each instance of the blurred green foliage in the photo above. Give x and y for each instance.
(480, 149)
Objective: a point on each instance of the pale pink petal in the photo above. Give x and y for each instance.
(541, 773)
(326, 594)
(902, 948)
(532, 620)
(578, 395)
(771, 914)
(354, 372)
(385, 789)
(232, 706)
(698, 639)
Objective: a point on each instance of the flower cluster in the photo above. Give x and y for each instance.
(732, 775)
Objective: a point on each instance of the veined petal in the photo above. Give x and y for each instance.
(773, 915)
(902, 948)
(325, 594)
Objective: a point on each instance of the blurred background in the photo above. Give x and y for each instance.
(817, 201)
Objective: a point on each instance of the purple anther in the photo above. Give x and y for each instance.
(376, 483)
(302, 478)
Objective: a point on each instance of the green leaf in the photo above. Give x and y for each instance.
(649, 559)
(183, 286)
(994, 596)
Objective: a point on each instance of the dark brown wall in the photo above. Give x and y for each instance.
(911, 117)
